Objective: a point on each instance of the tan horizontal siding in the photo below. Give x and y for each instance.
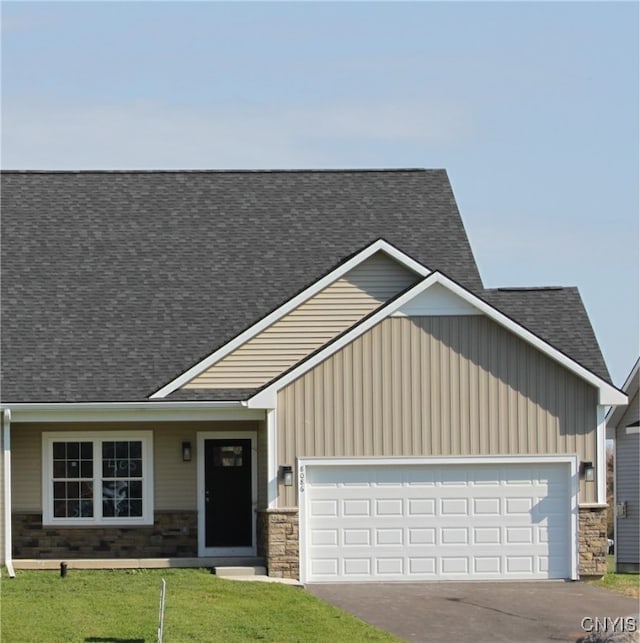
(309, 326)
(175, 482)
(440, 386)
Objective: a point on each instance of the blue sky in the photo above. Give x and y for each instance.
(531, 107)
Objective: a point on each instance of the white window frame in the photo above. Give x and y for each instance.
(97, 438)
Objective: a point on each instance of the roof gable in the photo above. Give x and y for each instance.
(608, 394)
(305, 323)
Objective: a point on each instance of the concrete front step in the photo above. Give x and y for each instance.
(136, 563)
(227, 571)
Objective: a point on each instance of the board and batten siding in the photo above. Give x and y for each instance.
(175, 481)
(437, 386)
(309, 326)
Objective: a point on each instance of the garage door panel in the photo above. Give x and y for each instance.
(324, 537)
(437, 522)
(324, 567)
(487, 506)
(324, 508)
(454, 507)
(422, 566)
(454, 565)
(487, 536)
(356, 507)
(421, 507)
(357, 566)
(454, 536)
(389, 565)
(421, 536)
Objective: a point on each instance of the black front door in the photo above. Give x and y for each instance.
(227, 493)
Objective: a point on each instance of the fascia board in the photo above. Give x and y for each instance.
(265, 322)
(615, 413)
(608, 394)
(132, 412)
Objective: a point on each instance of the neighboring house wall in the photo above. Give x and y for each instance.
(627, 489)
(175, 493)
(437, 386)
(309, 326)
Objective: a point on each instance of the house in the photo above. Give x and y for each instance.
(303, 366)
(623, 426)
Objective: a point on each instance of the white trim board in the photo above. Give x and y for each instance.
(132, 412)
(608, 394)
(377, 246)
(6, 484)
(630, 386)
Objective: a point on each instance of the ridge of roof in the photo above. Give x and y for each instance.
(226, 171)
(526, 288)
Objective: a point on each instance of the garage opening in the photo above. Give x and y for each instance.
(463, 519)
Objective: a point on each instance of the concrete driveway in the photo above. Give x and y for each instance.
(530, 612)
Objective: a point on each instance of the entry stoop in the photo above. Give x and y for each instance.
(227, 571)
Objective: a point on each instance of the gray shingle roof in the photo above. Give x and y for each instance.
(558, 316)
(113, 283)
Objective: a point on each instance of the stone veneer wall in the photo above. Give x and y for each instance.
(592, 541)
(174, 534)
(279, 543)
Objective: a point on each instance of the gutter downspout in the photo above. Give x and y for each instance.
(6, 454)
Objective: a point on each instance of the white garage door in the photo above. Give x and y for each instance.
(436, 522)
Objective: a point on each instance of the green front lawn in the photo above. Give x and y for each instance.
(627, 584)
(122, 606)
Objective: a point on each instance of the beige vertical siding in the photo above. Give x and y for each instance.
(309, 326)
(175, 482)
(441, 386)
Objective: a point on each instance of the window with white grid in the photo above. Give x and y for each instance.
(97, 478)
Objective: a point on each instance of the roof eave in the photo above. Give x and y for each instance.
(129, 411)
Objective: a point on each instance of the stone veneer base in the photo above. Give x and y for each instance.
(279, 542)
(174, 534)
(279, 537)
(592, 542)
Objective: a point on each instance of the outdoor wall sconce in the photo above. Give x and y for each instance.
(186, 451)
(588, 472)
(286, 475)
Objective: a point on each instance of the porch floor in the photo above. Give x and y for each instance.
(134, 563)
